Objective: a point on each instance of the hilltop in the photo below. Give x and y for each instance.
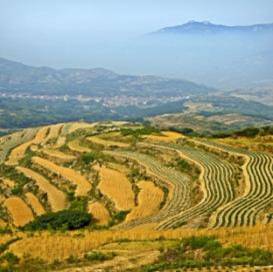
(206, 27)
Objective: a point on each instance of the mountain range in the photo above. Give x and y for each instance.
(17, 77)
(206, 27)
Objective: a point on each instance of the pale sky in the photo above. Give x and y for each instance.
(123, 16)
(107, 33)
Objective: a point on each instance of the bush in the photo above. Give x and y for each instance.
(63, 220)
(98, 256)
(204, 242)
(78, 204)
(183, 165)
(209, 253)
(89, 157)
(147, 130)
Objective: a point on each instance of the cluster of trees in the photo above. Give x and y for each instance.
(63, 220)
(146, 130)
(247, 132)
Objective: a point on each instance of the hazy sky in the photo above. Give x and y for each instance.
(104, 33)
(123, 16)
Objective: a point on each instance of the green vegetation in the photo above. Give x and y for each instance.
(9, 262)
(204, 251)
(247, 132)
(147, 130)
(118, 217)
(4, 247)
(99, 256)
(90, 157)
(78, 204)
(63, 220)
(183, 165)
(20, 179)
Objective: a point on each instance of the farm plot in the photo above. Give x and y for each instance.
(56, 198)
(79, 125)
(54, 132)
(106, 143)
(11, 141)
(83, 185)
(61, 140)
(116, 187)
(7, 182)
(216, 176)
(167, 136)
(77, 147)
(58, 155)
(149, 199)
(99, 212)
(178, 185)
(18, 153)
(2, 223)
(258, 172)
(34, 202)
(20, 212)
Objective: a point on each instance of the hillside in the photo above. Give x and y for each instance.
(136, 191)
(16, 77)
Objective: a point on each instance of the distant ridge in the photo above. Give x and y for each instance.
(16, 77)
(206, 27)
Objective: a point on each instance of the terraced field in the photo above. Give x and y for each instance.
(149, 199)
(220, 205)
(216, 177)
(258, 171)
(83, 186)
(130, 181)
(178, 186)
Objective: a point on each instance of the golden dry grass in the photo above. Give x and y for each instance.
(56, 197)
(2, 224)
(52, 246)
(128, 259)
(80, 125)
(8, 182)
(60, 142)
(117, 187)
(168, 136)
(149, 199)
(83, 185)
(21, 214)
(58, 155)
(99, 212)
(107, 143)
(259, 143)
(18, 153)
(34, 202)
(77, 147)
(54, 132)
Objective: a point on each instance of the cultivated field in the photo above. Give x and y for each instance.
(136, 192)
(83, 186)
(116, 187)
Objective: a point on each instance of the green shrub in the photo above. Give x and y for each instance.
(205, 242)
(210, 253)
(78, 204)
(99, 256)
(183, 165)
(63, 220)
(90, 157)
(147, 130)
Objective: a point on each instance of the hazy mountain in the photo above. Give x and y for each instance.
(206, 27)
(17, 77)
